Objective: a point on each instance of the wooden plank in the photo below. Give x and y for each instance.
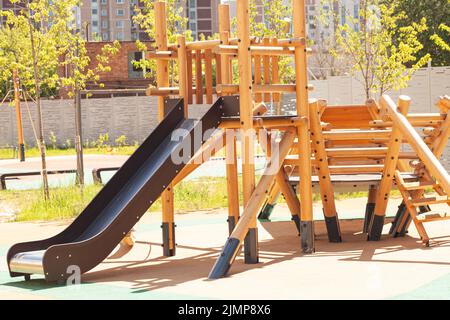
(198, 79)
(259, 194)
(276, 97)
(301, 80)
(390, 165)
(231, 150)
(257, 77)
(425, 154)
(162, 79)
(247, 136)
(182, 72)
(266, 68)
(321, 163)
(189, 77)
(208, 77)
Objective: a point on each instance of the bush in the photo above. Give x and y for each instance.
(102, 141)
(121, 141)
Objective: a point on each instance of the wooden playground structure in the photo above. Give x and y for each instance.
(323, 148)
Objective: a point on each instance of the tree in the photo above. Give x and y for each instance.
(276, 23)
(39, 40)
(379, 49)
(77, 59)
(440, 41)
(176, 24)
(436, 13)
(40, 27)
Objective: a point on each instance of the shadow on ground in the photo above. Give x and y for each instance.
(163, 272)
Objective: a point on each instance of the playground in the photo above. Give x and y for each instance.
(357, 269)
(387, 245)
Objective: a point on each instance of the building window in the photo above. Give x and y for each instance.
(356, 10)
(119, 1)
(193, 26)
(94, 1)
(104, 24)
(343, 15)
(104, 1)
(94, 11)
(135, 71)
(119, 24)
(104, 12)
(192, 14)
(105, 36)
(120, 36)
(120, 12)
(192, 4)
(95, 23)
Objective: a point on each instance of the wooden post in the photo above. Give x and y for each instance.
(370, 206)
(21, 145)
(162, 79)
(218, 69)
(282, 181)
(325, 185)
(246, 118)
(198, 77)
(208, 76)
(423, 152)
(275, 78)
(390, 165)
(266, 67)
(257, 76)
(305, 188)
(182, 73)
(231, 248)
(189, 77)
(230, 151)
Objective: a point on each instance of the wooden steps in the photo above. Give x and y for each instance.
(431, 216)
(410, 186)
(419, 202)
(418, 205)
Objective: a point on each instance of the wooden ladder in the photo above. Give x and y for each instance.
(417, 203)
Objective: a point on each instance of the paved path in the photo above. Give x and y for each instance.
(392, 268)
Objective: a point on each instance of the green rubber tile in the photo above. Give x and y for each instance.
(438, 289)
(86, 291)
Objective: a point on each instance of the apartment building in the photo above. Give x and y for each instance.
(202, 16)
(107, 20)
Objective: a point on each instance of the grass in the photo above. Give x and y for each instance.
(205, 193)
(34, 152)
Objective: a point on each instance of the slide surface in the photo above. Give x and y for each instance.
(120, 204)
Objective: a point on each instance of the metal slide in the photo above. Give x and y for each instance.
(123, 200)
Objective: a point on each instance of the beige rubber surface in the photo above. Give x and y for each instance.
(353, 269)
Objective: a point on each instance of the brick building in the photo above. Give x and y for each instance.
(123, 74)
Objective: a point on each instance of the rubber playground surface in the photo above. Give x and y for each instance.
(393, 268)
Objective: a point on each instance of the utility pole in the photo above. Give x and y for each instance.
(21, 145)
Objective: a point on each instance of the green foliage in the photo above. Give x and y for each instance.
(440, 41)
(53, 140)
(176, 24)
(121, 141)
(277, 21)
(436, 13)
(381, 50)
(102, 141)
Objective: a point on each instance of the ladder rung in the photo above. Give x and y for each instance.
(419, 185)
(432, 216)
(430, 200)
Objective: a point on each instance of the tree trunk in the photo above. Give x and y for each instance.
(79, 139)
(39, 110)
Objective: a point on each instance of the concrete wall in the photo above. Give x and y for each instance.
(133, 117)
